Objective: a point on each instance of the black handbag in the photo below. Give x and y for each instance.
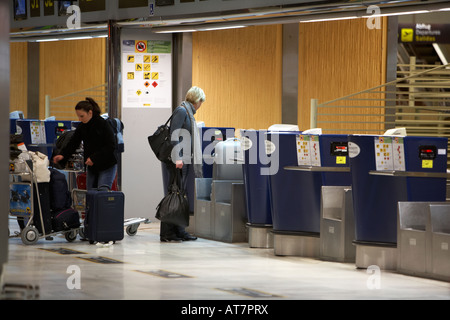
(160, 142)
(174, 207)
(66, 219)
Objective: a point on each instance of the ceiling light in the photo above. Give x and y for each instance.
(172, 30)
(330, 19)
(47, 40)
(78, 38)
(395, 13)
(218, 28)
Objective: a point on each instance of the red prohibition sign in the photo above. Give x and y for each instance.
(141, 46)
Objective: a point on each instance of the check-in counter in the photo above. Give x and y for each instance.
(387, 170)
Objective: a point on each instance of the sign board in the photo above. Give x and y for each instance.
(423, 33)
(147, 73)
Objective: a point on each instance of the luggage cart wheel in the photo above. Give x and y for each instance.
(81, 233)
(29, 235)
(71, 235)
(132, 229)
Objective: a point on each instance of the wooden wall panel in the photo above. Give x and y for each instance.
(18, 77)
(70, 66)
(338, 58)
(240, 72)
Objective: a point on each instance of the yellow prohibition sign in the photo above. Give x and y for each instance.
(130, 75)
(130, 59)
(155, 75)
(146, 75)
(147, 67)
(138, 66)
(147, 59)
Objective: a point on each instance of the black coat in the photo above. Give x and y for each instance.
(98, 142)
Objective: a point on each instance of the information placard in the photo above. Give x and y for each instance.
(146, 73)
(383, 154)
(308, 150)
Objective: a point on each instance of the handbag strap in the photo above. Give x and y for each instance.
(170, 118)
(187, 113)
(175, 177)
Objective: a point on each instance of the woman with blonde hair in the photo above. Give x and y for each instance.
(183, 121)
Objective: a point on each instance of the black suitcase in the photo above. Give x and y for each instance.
(104, 219)
(44, 201)
(60, 197)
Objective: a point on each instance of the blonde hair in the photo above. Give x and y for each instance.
(194, 95)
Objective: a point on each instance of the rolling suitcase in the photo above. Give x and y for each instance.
(104, 220)
(42, 206)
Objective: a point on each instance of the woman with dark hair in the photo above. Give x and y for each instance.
(98, 143)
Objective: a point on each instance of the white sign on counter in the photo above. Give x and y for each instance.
(308, 150)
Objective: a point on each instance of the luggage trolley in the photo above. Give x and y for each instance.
(79, 204)
(22, 206)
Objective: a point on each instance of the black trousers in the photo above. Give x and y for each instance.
(169, 230)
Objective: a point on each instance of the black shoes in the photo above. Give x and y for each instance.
(186, 237)
(168, 239)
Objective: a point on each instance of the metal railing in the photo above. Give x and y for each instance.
(63, 107)
(419, 101)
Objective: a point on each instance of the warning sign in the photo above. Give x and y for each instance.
(141, 46)
(146, 69)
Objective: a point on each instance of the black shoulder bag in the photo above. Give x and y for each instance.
(160, 142)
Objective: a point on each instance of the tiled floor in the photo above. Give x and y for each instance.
(197, 270)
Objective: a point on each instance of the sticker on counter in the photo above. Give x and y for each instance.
(308, 150)
(341, 160)
(270, 147)
(246, 143)
(442, 152)
(383, 153)
(427, 164)
(398, 154)
(303, 152)
(315, 151)
(353, 150)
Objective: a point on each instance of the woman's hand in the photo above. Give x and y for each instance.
(89, 162)
(179, 164)
(57, 158)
